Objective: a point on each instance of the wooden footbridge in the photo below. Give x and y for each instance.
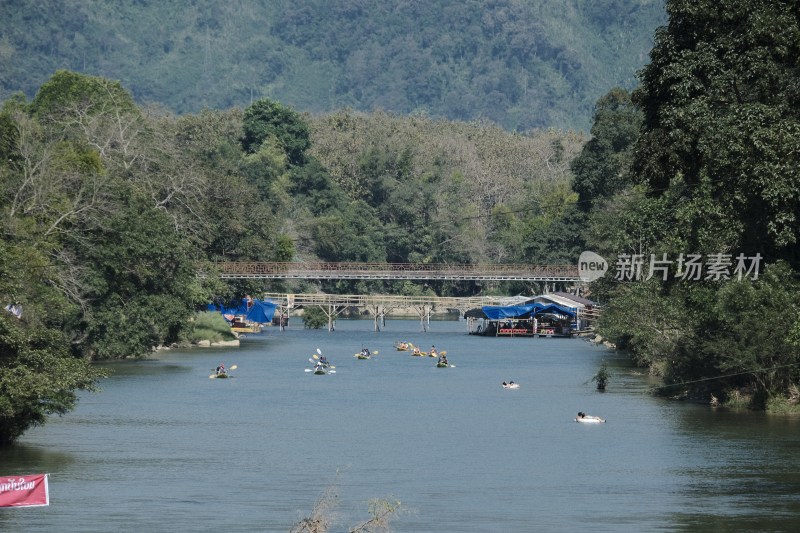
(397, 271)
(379, 305)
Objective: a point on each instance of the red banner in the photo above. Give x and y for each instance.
(24, 491)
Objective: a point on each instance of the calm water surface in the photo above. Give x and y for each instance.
(165, 448)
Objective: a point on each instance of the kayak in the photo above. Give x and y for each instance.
(442, 365)
(320, 371)
(361, 356)
(510, 385)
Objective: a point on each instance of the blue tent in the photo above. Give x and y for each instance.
(261, 312)
(495, 312)
(258, 311)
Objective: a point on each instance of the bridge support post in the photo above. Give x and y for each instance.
(380, 317)
(280, 318)
(424, 313)
(378, 312)
(331, 318)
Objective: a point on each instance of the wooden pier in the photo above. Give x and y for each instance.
(380, 305)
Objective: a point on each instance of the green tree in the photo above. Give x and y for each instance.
(717, 163)
(266, 119)
(602, 168)
(143, 283)
(70, 93)
(314, 317)
(748, 338)
(721, 109)
(39, 375)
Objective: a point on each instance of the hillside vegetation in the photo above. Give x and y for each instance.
(695, 177)
(522, 64)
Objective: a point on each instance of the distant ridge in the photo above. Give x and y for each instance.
(522, 65)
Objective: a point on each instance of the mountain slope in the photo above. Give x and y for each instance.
(522, 64)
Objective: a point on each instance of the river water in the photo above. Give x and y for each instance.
(165, 448)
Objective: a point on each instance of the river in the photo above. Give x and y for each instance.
(165, 448)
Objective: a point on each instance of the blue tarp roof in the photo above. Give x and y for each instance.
(260, 311)
(495, 312)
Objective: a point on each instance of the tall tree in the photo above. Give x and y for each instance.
(39, 375)
(721, 108)
(602, 168)
(717, 160)
(267, 119)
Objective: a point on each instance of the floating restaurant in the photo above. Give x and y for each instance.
(546, 315)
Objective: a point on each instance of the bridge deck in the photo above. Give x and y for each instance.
(387, 301)
(397, 271)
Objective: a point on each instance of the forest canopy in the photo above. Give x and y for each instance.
(712, 174)
(520, 64)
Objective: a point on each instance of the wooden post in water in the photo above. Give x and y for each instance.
(331, 313)
(425, 316)
(377, 317)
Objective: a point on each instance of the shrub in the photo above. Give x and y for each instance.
(314, 317)
(210, 326)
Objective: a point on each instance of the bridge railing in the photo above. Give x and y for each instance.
(343, 270)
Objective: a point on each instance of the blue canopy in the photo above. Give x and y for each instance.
(496, 312)
(259, 311)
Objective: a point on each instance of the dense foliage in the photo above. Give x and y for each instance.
(520, 63)
(714, 172)
(38, 373)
